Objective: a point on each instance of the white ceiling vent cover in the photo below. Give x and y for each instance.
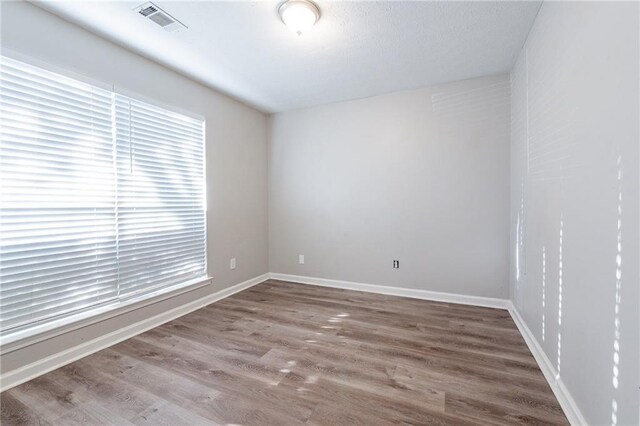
(160, 17)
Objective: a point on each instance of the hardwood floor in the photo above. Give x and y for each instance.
(286, 354)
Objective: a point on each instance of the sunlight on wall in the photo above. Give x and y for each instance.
(616, 316)
(518, 233)
(560, 298)
(528, 139)
(544, 288)
(519, 247)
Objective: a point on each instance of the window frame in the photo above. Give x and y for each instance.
(29, 334)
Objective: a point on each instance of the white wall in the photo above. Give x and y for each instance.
(421, 176)
(235, 143)
(574, 157)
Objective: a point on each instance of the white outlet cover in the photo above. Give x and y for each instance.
(232, 263)
(301, 259)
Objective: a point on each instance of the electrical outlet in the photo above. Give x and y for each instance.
(232, 263)
(396, 264)
(301, 259)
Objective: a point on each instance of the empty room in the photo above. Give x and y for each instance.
(319, 212)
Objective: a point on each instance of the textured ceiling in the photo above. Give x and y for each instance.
(356, 50)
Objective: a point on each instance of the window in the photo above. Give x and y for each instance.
(101, 197)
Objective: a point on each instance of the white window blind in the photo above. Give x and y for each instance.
(161, 225)
(101, 197)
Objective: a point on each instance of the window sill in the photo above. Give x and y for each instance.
(22, 338)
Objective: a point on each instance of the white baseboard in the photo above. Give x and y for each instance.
(436, 296)
(568, 404)
(50, 363)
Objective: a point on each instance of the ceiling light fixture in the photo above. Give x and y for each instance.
(299, 15)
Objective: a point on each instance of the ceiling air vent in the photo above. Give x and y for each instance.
(160, 17)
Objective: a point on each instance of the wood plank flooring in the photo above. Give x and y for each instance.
(290, 354)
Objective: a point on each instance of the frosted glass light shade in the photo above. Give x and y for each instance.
(299, 15)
